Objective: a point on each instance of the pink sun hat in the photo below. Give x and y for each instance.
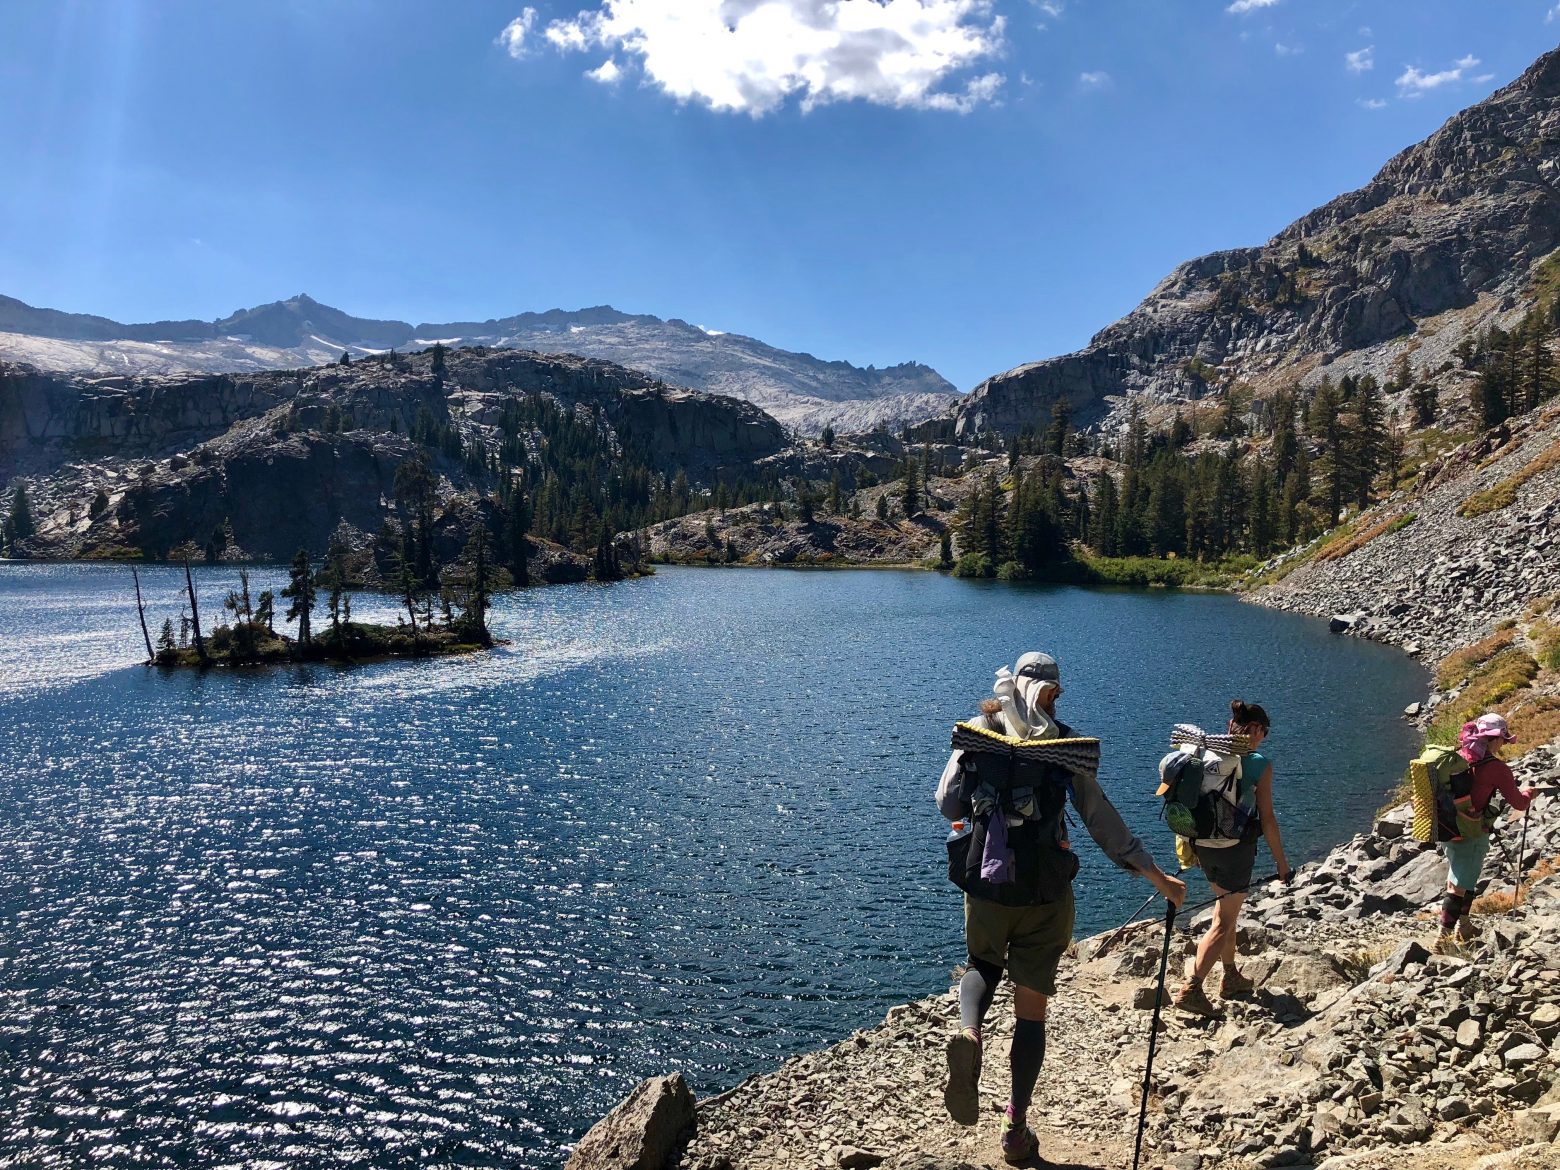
(1492, 725)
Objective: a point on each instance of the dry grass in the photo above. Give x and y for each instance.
(1504, 493)
(1534, 722)
(1498, 680)
(1546, 641)
(1460, 665)
(1342, 548)
(1356, 964)
(1496, 902)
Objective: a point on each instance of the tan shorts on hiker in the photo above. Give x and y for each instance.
(1028, 941)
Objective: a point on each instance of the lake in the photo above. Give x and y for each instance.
(453, 910)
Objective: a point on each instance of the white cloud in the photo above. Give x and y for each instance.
(1242, 6)
(1050, 8)
(608, 73)
(1361, 60)
(1371, 103)
(1284, 50)
(1552, 15)
(1414, 84)
(1098, 79)
(751, 56)
(516, 32)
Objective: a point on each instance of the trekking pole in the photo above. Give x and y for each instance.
(1116, 934)
(1231, 893)
(1521, 856)
(1153, 1033)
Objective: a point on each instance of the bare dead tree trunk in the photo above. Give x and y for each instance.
(189, 584)
(140, 609)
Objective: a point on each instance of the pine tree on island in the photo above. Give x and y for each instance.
(301, 591)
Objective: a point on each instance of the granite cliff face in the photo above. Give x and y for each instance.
(118, 465)
(800, 390)
(1443, 241)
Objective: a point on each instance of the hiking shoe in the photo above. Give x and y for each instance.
(1019, 1143)
(1234, 983)
(962, 1096)
(1447, 944)
(1192, 998)
(1466, 930)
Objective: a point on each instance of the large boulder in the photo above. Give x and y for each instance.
(640, 1133)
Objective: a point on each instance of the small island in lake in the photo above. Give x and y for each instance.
(250, 638)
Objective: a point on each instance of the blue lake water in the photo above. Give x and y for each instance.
(451, 911)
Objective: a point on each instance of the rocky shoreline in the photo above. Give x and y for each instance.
(1359, 1044)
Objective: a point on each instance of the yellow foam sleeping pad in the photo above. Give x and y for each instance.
(1078, 754)
(1422, 788)
(1432, 769)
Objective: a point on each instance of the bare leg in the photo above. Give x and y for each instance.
(1218, 945)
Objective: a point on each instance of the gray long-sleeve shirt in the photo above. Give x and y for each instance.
(1100, 817)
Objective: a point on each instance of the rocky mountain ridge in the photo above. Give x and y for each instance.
(802, 391)
(1448, 238)
(279, 460)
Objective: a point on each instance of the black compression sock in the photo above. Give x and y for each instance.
(1025, 1059)
(976, 990)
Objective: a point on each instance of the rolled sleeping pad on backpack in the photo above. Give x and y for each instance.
(1079, 754)
(1421, 788)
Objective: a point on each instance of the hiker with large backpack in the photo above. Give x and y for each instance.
(1013, 771)
(1464, 829)
(1233, 810)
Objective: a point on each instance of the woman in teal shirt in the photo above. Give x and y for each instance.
(1228, 866)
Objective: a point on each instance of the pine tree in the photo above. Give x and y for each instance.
(1263, 523)
(517, 530)
(828, 436)
(1061, 426)
(1364, 438)
(1424, 399)
(804, 502)
(834, 493)
(476, 556)
(1102, 533)
(301, 591)
(993, 535)
(1538, 378)
(1325, 422)
(21, 518)
(945, 549)
(912, 493)
(1285, 440)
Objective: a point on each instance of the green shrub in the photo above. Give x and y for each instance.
(973, 564)
(1011, 571)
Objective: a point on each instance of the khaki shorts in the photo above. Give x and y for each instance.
(1028, 941)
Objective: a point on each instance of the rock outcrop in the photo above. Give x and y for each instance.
(642, 1132)
(1452, 230)
(119, 466)
(802, 391)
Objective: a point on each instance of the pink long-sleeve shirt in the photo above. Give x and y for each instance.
(1491, 776)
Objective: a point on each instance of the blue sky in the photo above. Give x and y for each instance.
(969, 183)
